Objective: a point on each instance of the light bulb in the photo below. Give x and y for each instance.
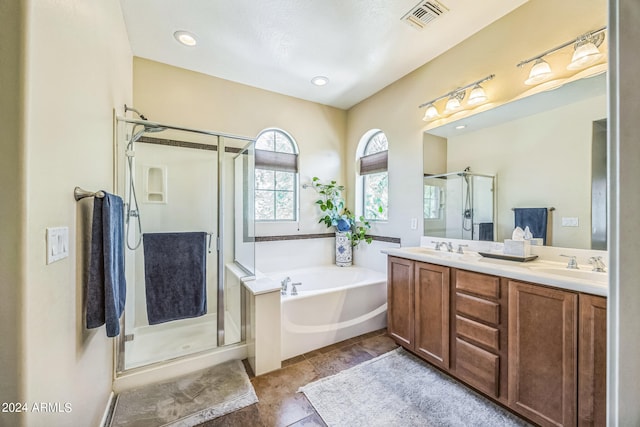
(186, 38)
(431, 113)
(585, 54)
(477, 95)
(540, 72)
(453, 104)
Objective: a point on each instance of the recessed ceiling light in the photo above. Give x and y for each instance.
(320, 80)
(186, 38)
(461, 127)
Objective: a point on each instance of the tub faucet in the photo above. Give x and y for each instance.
(294, 291)
(598, 264)
(283, 285)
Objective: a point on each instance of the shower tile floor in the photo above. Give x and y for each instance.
(280, 404)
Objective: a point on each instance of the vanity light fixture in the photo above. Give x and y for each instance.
(477, 95)
(540, 72)
(453, 103)
(585, 53)
(186, 38)
(455, 97)
(431, 112)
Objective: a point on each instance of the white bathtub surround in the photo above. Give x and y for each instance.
(263, 324)
(333, 304)
(281, 255)
(344, 250)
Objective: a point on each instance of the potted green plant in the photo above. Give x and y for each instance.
(349, 230)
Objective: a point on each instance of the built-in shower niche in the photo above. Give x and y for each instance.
(459, 205)
(155, 184)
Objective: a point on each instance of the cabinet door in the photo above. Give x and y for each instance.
(400, 301)
(542, 353)
(432, 313)
(592, 363)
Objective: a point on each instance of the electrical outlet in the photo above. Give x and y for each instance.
(414, 223)
(569, 221)
(57, 243)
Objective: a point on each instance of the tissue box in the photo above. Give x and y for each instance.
(517, 247)
(537, 241)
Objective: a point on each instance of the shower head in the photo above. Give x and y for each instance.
(146, 128)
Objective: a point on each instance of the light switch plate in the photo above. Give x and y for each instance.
(569, 221)
(57, 243)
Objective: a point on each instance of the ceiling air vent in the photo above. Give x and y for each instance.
(423, 13)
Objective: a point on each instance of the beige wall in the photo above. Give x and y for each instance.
(12, 210)
(77, 70)
(543, 160)
(527, 31)
(176, 96)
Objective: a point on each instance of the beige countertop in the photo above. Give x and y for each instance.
(543, 272)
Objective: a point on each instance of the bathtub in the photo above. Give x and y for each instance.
(332, 305)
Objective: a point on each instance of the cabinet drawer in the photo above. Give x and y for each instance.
(478, 367)
(477, 308)
(478, 332)
(479, 284)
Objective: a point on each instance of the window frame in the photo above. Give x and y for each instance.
(374, 163)
(287, 163)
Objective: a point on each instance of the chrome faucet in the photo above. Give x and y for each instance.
(598, 264)
(449, 247)
(283, 285)
(438, 244)
(572, 264)
(460, 251)
(294, 291)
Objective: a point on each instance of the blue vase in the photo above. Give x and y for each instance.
(343, 225)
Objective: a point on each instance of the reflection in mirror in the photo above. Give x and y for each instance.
(459, 205)
(545, 150)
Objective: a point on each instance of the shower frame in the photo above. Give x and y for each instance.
(494, 179)
(119, 368)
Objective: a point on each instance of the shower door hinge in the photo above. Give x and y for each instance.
(128, 337)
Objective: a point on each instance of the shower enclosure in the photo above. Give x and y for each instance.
(459, 205)
(175, 180)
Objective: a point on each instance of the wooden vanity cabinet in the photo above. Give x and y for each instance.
(479, 332)
(538, 350)
(543, 353)
(418, 308)
(400, 301)
(592, 361)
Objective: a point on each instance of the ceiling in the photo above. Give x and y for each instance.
(280, 45)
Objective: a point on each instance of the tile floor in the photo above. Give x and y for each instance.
(281, 405)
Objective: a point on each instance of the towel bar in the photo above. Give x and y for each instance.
(550, 209)
(79, 194)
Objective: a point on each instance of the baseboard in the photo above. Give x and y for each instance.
(108, 411)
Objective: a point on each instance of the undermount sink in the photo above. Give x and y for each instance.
(593, 276)
(442, 254)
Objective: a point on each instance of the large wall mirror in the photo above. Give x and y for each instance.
(545, 150)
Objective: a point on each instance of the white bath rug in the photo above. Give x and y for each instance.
(188, 400)
(398, 389)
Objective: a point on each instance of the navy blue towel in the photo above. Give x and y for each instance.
(535, 219)
(106, 288)
(175, 275)
(485, 231)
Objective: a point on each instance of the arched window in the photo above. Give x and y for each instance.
(276, 182)
(374, 177)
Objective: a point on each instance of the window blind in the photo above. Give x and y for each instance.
(284, 162)
(374, 163)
